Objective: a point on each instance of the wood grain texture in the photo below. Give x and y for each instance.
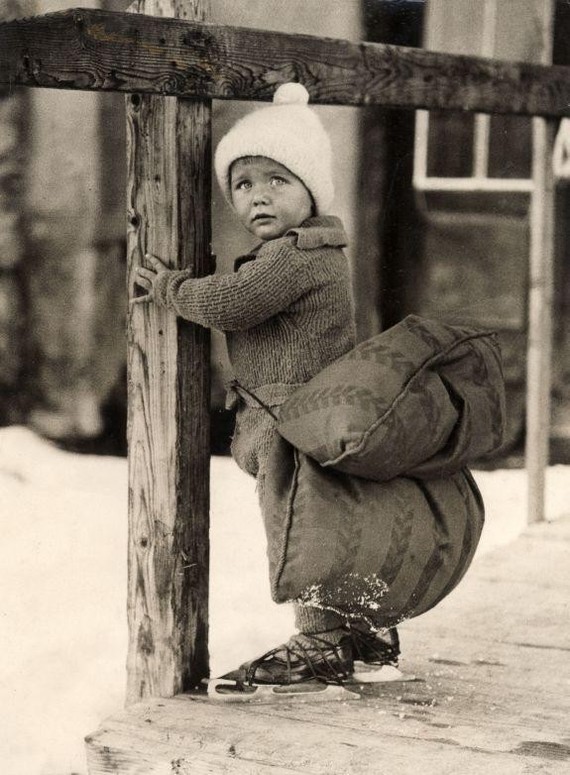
(169, 159)
(89, 49)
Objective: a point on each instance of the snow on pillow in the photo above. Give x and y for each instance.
(421, 399)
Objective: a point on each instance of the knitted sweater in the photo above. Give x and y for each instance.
(286, 311)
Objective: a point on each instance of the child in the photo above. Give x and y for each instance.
(287, 312)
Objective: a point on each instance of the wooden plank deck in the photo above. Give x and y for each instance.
(491, 695)
(99, 50)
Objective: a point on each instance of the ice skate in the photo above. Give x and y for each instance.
(375, 656)
(307, 668)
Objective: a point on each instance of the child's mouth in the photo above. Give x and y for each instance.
(262, 217)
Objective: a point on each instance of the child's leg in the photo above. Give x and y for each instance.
(368, 645)
(310, 620)
(321, 650)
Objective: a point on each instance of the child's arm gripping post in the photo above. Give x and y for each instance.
(259, 290)
(147, 279)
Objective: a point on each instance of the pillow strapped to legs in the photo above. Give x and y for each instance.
(383, 551)
(369, 508)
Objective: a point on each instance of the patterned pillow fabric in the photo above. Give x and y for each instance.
(386, 551)
(421, 399)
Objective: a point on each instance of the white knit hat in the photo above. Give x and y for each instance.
(288, 132)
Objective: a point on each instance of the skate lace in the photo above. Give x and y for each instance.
(368, 647)
(323, 658)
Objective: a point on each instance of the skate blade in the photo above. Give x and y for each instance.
(368, 674)
(223, 690)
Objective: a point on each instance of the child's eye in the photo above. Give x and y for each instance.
(277, 180)
(243, 185)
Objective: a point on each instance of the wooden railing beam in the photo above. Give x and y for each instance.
(106, 51)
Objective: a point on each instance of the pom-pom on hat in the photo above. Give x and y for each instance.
(287, 131)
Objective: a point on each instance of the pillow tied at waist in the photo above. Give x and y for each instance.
(421, 399)
(260, 397)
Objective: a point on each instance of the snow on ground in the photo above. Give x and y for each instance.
(62, 588)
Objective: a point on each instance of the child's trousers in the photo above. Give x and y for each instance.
(253, 436)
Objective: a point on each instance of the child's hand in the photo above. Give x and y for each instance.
(146, 278)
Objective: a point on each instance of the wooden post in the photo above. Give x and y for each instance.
(168, 193)
(541, 291)
(541, 286)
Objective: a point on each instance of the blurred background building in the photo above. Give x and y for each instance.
(424, 237)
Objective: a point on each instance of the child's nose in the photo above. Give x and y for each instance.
(261, 195)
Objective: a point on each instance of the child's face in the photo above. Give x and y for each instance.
(268, 198)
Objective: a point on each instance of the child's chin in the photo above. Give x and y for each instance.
(268, 231)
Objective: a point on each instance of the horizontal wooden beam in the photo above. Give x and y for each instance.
(105, 51)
